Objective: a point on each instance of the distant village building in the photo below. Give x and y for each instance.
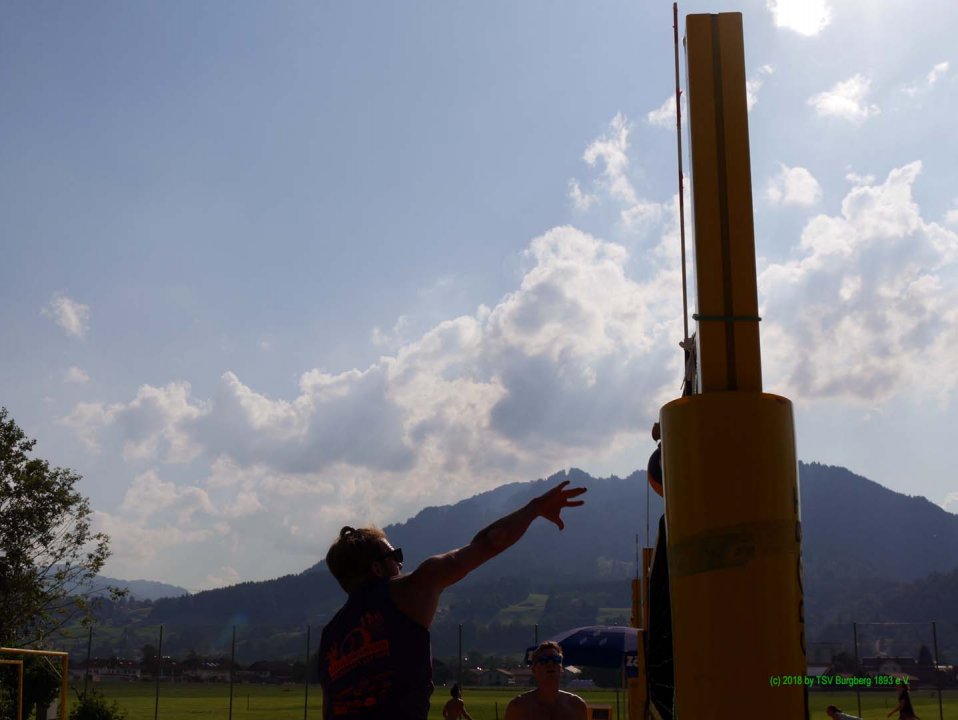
(106, 669)
(909, 668)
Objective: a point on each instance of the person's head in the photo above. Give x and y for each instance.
(455, 691)
(361, 555)
(832, 711)
(547, 663)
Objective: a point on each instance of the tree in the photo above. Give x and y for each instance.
(49, 554)
(91, 705)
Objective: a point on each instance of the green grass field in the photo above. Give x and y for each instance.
(271, 702)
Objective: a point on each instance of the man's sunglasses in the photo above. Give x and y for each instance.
(395, 554)
(549, 659)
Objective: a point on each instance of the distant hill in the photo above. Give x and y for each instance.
(141, 589)
(857, 536)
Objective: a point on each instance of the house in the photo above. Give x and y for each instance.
(907, 667)
(496, 677)
(113, 668)
(270, 671)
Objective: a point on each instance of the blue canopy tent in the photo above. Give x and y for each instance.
(596, 645)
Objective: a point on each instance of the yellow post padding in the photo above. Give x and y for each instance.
(734, 549)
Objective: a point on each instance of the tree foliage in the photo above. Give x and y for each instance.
(92, 705)
(49, 553)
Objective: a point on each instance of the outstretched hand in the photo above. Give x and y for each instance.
(551, 504)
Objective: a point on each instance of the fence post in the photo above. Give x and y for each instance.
(934, 637)
(306, 678)
(858, 692)
(86, 670)
(159, 670)
(232, 664)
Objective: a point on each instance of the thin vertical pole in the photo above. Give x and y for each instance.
(934, 638)
(678, 133)
(159, 666)
(459, 677)
(232, 664)
(306, 678)
(497, 710)
(86, 672)
(20, 692)
(536, 636)
(858, 693)
(64, 687)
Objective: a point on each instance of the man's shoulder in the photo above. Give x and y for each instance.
(522, 699)
(571, 698)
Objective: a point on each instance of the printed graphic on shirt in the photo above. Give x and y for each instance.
(358, 666)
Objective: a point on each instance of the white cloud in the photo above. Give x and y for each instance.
(509, 393)
(950, 503)
(951, 216)
(393, 338)
(580, 201)
(865, 311)
(806, 17)
(664, 115)
(70, 315)
(226, 575)
(149, 495)
(930, 80)
(793, 186)
(534, 382)
(76, 375)
(754, 84)
(612, 150)
(846, 100)
(155, 423)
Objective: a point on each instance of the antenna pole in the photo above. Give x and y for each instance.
(678, 135)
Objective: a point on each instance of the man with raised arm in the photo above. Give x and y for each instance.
(375, 661)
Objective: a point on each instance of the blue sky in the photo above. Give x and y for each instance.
(269, 269)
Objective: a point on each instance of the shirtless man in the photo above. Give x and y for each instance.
(547, 700)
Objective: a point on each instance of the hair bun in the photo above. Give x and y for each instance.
(346, 531)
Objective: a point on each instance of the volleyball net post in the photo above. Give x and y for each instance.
(64, 668)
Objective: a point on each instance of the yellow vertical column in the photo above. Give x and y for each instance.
(729, 459)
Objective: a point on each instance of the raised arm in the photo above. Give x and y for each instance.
(417, 594)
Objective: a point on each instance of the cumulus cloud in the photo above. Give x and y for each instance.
(793, 186)
(73, 317)
(580, 201)
(951, 216)
(609, 153)
(664, 115)
(754, 83)
(806, 17)
(76, 376)
(950, 503)
(510, 392)
(939, 71)
(846, 100)
(866, 309)
(154, 424)
(862, 309)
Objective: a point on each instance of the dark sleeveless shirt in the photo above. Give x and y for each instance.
(375, 663)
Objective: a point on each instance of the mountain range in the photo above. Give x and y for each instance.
(869, 554)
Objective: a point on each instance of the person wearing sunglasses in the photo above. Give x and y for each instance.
(375, 659)
(547, 700)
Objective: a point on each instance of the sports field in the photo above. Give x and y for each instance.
(270, 702)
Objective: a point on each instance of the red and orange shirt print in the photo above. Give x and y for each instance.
(374, 662)
(358, 668)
